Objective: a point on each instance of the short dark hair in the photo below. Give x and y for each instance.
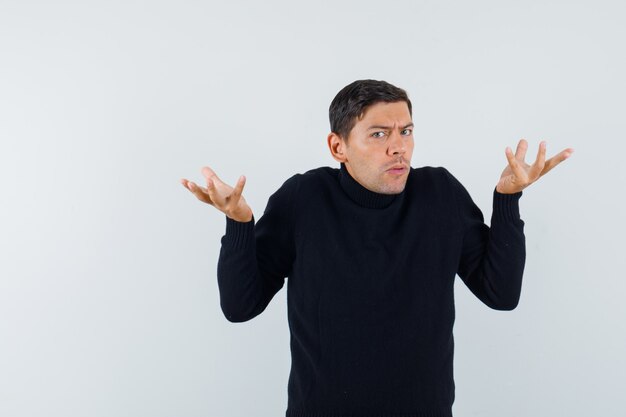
(353, 100)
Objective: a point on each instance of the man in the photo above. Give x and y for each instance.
(371, 251)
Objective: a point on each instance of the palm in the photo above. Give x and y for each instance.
(519, 175)
(508, 178)
(224, 193)
(222, 196)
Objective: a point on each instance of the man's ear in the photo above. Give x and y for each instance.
(337, 147)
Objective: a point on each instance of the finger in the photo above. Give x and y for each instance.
(557, 159)
(537, 168)
(186, 183)
(212, 192)
(514, 164)
(238, 188)
(193, 187)
(201, 188)
(209, 173)
(520, 152)
(199, 192)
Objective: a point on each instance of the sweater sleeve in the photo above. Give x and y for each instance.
(255, 257)
(492, 258)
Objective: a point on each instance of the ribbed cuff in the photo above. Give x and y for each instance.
(238, 234)
(506, 206)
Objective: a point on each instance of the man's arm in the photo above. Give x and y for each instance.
(492, 259)
(254, 257)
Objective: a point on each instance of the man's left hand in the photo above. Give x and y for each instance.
(519, 175)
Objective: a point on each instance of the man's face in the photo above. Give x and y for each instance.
(379, 142)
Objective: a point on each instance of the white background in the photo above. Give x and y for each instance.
(109, 303)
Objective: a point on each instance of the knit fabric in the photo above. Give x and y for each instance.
(370, 292)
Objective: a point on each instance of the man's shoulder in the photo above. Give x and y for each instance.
(309, 181)
(429, 174)
(434, 180)
(428, 170)
(320, 173)
(314, 176)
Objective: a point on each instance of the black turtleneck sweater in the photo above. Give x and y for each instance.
(370, 293)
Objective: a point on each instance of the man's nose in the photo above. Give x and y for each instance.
(396, 143)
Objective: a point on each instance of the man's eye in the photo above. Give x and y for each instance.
(408, 132)
(375, 134)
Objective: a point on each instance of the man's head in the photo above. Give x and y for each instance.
(372, 132)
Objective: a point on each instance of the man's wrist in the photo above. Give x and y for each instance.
(242, 218)
(501, 191)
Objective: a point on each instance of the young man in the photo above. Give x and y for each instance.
(371, 251)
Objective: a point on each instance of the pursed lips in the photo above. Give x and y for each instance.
(397, 168)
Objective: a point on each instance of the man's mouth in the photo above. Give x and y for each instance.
(397, 170)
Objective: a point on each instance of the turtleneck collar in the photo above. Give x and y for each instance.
(361, 195)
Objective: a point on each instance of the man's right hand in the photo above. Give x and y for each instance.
(222, 196)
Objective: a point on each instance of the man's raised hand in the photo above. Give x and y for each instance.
(222, 196)
(519, 175)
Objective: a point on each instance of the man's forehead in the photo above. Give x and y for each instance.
(386, 119)
(390, 126)
(385, 112)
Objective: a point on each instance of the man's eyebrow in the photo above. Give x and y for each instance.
(388, 127)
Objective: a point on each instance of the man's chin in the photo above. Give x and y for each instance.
(393, 189)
